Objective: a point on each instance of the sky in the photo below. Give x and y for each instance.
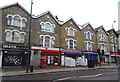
(96, 12)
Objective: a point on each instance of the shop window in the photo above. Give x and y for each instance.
(50, 59)
(35, 52)
(56, 59)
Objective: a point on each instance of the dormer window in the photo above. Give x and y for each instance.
(70, 31)
(47, 27)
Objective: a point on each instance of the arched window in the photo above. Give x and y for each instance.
(41, 41)
(67, 44)
(74, 32)
(9, 20)
(23, 23)
(71, 32)
(15, 36)
(67, 31)
(8, 36)
(47, 41)
(88, 35)
(22, 39)
(47, 27)
(75, 44)
(89, 45)
(52, 42)
(85, 33)
(17, 21)
(71, 44)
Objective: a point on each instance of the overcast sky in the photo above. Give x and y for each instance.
(96, 12)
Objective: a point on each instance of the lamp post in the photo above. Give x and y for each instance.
(114, 45)
(113, 23)
(29, 42)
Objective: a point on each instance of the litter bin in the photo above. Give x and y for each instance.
(31, 68)
(90, 63)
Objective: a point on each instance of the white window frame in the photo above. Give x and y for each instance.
(68, 43)
(42, 24)
(21, 24)
(102, 37)
(103, 46)
(89, 47)
(51, 41)
(68, 33)
(21, 39)
(90, 36)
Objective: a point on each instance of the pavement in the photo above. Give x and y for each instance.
(12, 71)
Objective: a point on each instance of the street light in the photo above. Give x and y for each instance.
(113, 23)
(29, 41)
(114, 45)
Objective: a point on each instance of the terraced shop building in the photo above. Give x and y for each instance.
(45, 47)
(14, 23)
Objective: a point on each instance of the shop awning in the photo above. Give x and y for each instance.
(87, 53)
(68, 53)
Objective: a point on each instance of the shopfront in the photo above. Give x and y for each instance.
(69, 57)
(14, 55)
(107, 57)
(48, 56)
(92, 56)
(113, 56)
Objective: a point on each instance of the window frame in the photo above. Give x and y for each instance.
(51, 28)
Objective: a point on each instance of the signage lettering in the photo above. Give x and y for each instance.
(9, 46)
